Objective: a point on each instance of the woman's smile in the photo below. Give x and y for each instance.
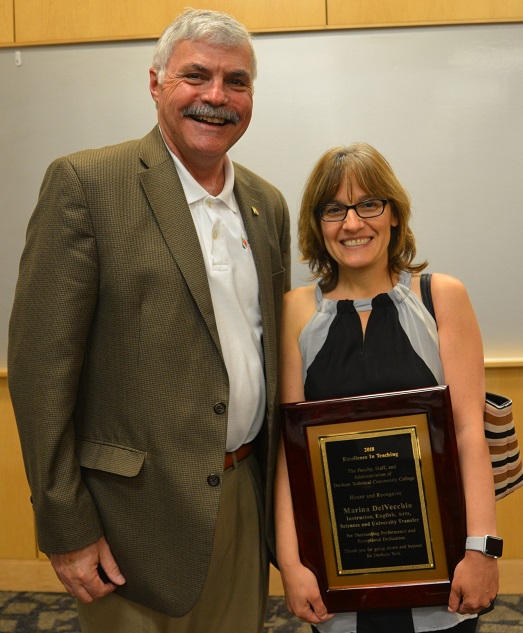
(351, 243)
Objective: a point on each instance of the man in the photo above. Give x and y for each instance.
(142, 354)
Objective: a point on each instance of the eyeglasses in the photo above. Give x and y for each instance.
(336, 212)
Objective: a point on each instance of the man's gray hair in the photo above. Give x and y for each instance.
(214, 27)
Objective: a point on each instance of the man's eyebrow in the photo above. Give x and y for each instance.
(195, 66)
(240, 73)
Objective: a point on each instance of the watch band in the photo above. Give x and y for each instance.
(488, 545)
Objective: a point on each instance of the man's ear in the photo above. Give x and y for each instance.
(154, 86)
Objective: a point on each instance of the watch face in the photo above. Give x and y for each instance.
(493, 546)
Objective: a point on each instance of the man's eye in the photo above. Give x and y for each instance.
(237, 83)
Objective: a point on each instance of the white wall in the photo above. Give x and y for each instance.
(443, 104)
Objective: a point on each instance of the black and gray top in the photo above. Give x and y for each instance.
(399, 350)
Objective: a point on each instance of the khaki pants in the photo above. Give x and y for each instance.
(234, 597)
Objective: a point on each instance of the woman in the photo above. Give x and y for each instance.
(364, 329)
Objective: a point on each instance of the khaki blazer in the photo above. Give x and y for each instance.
(115, 368)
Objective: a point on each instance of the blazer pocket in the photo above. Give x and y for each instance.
(118, 460)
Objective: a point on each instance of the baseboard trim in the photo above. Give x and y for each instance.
(28, 575)
(511, 576)
(38, 575)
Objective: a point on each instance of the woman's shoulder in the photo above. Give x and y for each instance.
(299, 304)
(439, 282)
(300, 297)
(447, 292)
(449, 296)
(443, 283)
(301, 294)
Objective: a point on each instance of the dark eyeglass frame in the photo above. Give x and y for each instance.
(384, 202)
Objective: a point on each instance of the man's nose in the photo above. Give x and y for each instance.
(215, 93)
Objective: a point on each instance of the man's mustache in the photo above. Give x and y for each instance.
(208, 111)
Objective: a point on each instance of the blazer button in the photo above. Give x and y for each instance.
(220, 408)
(213, 480)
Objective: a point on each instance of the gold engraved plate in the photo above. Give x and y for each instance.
(376, 501)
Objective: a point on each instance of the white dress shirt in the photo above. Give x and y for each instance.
(233, 283)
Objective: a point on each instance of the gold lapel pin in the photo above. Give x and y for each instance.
(255, 211)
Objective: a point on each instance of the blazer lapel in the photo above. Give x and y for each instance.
(165, 194)
(254, 218)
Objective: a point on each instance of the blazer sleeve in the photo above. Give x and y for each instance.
(285, 243)
(54, 304)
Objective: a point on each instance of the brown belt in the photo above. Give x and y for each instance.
(241, 453)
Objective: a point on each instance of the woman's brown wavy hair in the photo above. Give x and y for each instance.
(363, 164)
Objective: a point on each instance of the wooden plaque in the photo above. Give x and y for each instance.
(377, 496)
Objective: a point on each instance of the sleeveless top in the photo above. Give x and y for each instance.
(399, 350)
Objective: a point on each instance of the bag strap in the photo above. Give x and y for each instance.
(497, 401)
(426, 294)
(500, 434)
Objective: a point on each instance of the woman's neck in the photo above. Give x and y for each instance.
(363, 284)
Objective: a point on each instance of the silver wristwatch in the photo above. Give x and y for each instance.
(488, 545)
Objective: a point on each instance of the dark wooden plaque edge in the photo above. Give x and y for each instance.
(435, 403)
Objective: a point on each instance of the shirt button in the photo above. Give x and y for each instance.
(215, 234)
(213, 480)
(220, 408)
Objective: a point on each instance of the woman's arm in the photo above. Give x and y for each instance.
(301, 588)
(476, 578)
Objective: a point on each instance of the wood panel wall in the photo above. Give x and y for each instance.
(23, 568)
(7, 26)
(36, 22)
(361, 13)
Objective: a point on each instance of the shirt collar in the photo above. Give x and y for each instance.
(194, 192)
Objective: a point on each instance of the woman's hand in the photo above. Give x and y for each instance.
(303, 596)
(475, 584)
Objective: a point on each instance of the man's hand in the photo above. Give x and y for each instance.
(78, 571)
